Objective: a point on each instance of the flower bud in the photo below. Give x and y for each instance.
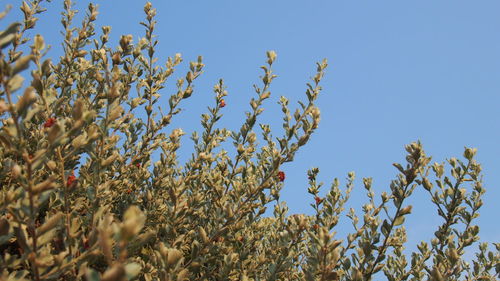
(271, 56)
(116, 58)
(469, 153)
(240, 149)
(427, 184)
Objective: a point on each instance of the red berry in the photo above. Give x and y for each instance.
(71, 180)
(281, 175)
(222, 103)
(318, 200)
(49, 123)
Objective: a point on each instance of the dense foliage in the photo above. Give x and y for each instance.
(81, 198)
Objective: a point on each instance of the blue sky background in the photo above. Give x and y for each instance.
(399, 71)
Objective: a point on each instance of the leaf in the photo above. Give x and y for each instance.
(385, 228)
(115, 113)
(5, 140)
(46, 237)
(399, 220)
(92, 275)
(21, 238)
(39, 42)
(406, 210)
(78, 109)
(4, 13)
(45, 185)
(8, 35)
(19, 275)
(4, 226)
(50, 223)
(22, 64)
(15, 83)
(54, 133)
(75, 227)
(399, 167)
(134, 220)
(26, 100)
(31, 112)
(203, 234)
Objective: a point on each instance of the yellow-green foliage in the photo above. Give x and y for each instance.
(77, 205)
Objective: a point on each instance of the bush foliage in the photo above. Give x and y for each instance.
(81, 198)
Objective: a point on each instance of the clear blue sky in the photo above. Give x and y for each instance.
(399, 71)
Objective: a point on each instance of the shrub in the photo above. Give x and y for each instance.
(81, 199)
